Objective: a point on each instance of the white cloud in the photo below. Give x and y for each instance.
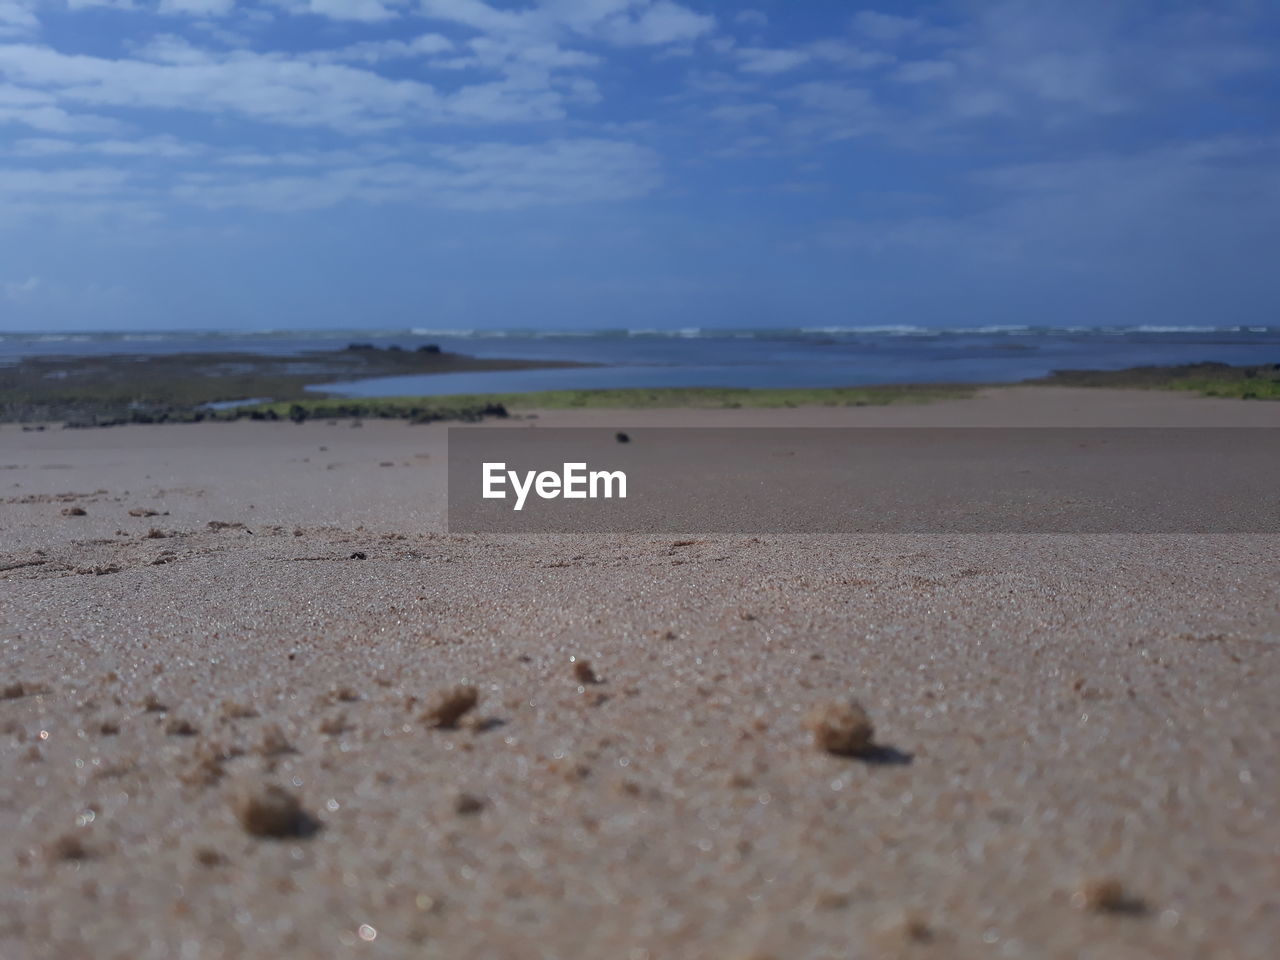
(847, 56)
(659, 23)
(885, 27)
(39, 111)
(486, 176)
(165, 147)
(266, 87)
(509, 62)
(161, 147)
(1048, 66)
(196, 8)
(480, 16)
(366, 11)
(744, 112)
(621, 22)
(18, 290)
(507, 54)
(260, 86)
(506, 101)
(358, 11)
(924, 71)
(42, 147)
(17, 19)
(760, 60)
(829, 111)
(172, 48)
(523, 49)
(87, 181)
(763, 60)
(376, 51)
(363, 155)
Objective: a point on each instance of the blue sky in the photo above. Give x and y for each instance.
(637, 163)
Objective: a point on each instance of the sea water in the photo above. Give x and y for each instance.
(778, 357)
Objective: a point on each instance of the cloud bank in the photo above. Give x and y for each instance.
(1038, 147)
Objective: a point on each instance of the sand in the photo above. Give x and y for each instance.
(1075, 735)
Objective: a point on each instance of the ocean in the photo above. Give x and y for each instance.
(700, 357)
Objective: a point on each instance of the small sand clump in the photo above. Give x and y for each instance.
(205, 772)
(906, 926)
(1106, 895)
(69, 846)
(451, 705)
(74, 511)
(274, 742)
(236, 710)
(207, 769)
(180, 727)
(209, 857)
(335, 725)
(583, 673)
(13, 691)
(467, 804)
(153, 704)
(842, 727)
(272, 811)
(832, 900)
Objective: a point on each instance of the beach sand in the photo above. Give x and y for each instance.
(1076, 734)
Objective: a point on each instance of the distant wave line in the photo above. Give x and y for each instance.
(687, 333)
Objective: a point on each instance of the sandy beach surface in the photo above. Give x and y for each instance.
(1077, 735)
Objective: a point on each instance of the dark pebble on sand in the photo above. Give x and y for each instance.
(450, 705)
(272, 811)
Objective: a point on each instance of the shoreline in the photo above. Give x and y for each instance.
(162, 388)
(185, 388)
(1244, 382)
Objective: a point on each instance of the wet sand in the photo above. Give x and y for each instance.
(1051, 712)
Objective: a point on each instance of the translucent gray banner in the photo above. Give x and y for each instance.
(872, 480)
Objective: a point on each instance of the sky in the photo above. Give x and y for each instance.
(456, 164)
